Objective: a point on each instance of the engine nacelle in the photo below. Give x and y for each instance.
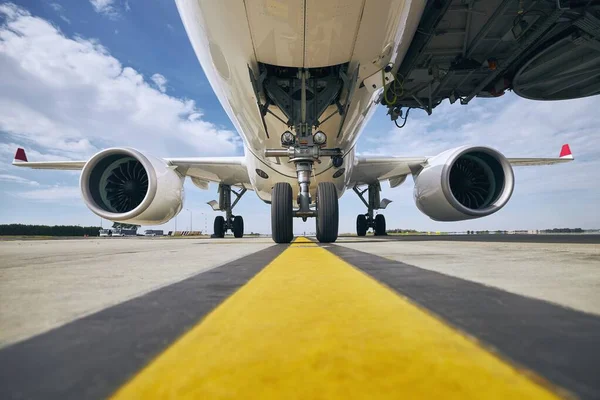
(464, 183)
(124, 185)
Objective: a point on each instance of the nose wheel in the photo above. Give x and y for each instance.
(282, 213)
(327, 212)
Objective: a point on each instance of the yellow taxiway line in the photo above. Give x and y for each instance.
(311, 326)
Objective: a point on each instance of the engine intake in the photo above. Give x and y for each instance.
(118, 183)
(124, 185)
(464, 183)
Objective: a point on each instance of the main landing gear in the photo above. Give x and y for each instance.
(368, 220)
(222, 224)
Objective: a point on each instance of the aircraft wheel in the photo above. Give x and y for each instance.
(282, 213)
(219, 226)
(380, 225)
(238, 226)
(361, 225)
(327, 212)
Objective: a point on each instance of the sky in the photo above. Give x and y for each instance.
(77, 76)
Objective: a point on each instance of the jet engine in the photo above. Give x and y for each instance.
(124, 185)
(464, 183)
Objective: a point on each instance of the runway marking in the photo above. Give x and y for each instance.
(558, 343)
(302, 241)
(310, 325)
(91, 357)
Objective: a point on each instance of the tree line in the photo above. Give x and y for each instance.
(45, 230)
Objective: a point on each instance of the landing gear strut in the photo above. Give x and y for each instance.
(222, 224)
(369, 220)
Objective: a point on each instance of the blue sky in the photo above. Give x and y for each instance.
(80, 75)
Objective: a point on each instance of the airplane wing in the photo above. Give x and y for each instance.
(21, 161)
(565, 156)
(202, 170)
(396, 169)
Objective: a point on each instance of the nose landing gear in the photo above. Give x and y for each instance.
(303, 95)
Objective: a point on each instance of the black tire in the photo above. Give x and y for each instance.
(318, 232)
(238, 226)
(219, 226)
(380, 225)
(327, 213)
(282, 213)
(361, 225)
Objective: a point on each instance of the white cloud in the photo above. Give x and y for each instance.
(104, 6)
(514, 126)
(52, 194)
(17, 179)
(11, 11)
(69, 97)
(60, 11)
(160, 81)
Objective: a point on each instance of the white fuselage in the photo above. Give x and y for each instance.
(231, 36)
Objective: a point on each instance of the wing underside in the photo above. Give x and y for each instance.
(227, 170)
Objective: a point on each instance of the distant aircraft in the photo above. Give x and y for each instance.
(300, 79)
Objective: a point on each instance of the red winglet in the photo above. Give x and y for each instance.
(565, 151)
(20, 155)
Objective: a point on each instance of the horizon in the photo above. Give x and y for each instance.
(79, 76)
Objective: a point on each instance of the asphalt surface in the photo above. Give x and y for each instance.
(91, 318)
(563, 273)
(47, 283)
(508, 238)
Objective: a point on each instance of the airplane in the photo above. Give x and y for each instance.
(299, 80)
